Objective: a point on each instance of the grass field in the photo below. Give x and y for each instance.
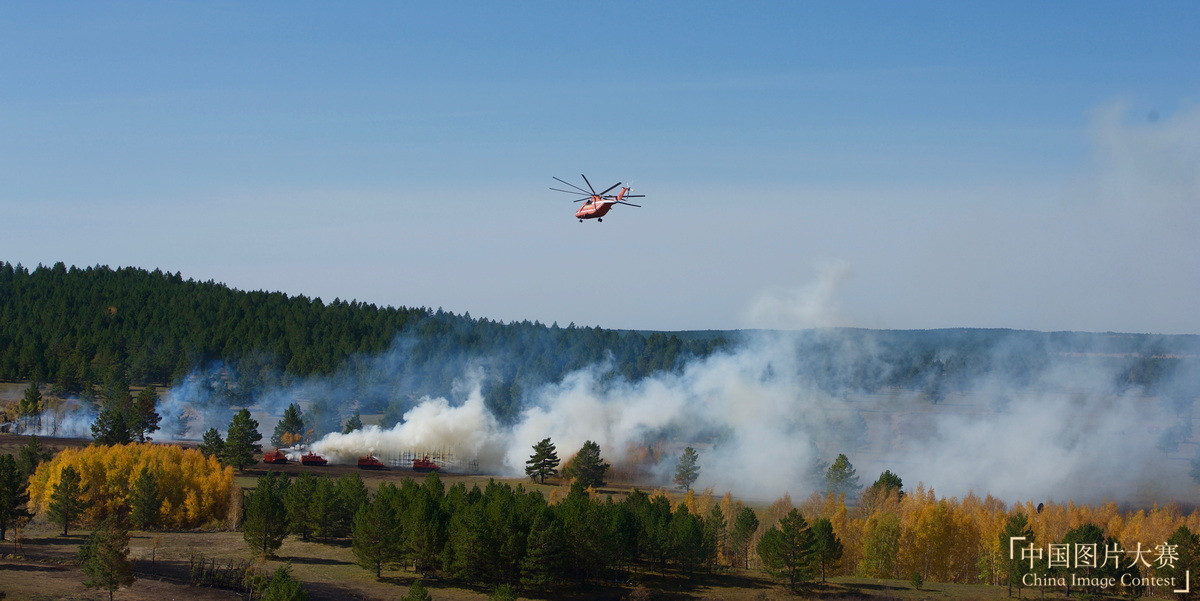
(39, 568)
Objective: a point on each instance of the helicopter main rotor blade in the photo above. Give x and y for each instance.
(568, 191)
(585, 180)
(628, 203)
(610, 188)
(581, 190)
(631, 195)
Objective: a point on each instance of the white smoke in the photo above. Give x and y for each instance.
(466, 431)
(764, 430)
(811, 306)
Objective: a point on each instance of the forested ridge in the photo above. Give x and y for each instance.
(72, 326)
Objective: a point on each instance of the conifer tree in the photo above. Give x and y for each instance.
(351, 494)
(417, 592)
(841, 477)
(786, 549)
(32, 455)
(715, 535)
(29, 408)
(377, 537)
(14, 498)
(283, 587)
(588, 467)
(688, 469)
(145, 418)
(241, 441)
(104, 558)
(1016, 527)
(827, 549)
(290, 428)
(504, 592)
(354, 422)
(543, 462)
(298, 500)
(744, 527)
(212, 445)
(145, 501)
(266, 524)
(324, 506)
(112, 426)
(1187, 557)
(67, 502)
(544, 562)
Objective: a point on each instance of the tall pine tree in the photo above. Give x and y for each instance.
(377, 537)
(786, 550)
(688, 469)
(145, 501)
(241, 441)
(543, 463)
(104, 558)
(588, 468)
(14, 498)
(266, 525)
(67, 502)
(290, 429)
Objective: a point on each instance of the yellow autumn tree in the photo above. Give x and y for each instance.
(195, 489)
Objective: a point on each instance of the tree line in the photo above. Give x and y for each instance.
(76, 328)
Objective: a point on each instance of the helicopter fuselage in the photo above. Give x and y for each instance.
(594, 208)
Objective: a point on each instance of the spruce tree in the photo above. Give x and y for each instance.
(543, 566)
(14, 497)
(32, 455)
(588, 467)
(417, 592)
(827, 549)
(298, 501)
(688, 469)
(283, 587)
(67, 503)
(543, 462)
(841, 477)
(145, 501)
(745, 524)
(145, 418)
(1016, 527)
(29, 408)
(352, 493)
(786, 550)
(104, 558)
(212, 445)
(290, 428)
(241, 441)
(266, 525)
(377, 536)
(354, 422)
(1187, 556)
(112, 426)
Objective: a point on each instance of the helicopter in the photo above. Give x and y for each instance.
(597, 204)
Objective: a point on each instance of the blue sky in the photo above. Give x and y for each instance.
(895, 165)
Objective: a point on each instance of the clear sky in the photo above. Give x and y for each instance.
(888, 165)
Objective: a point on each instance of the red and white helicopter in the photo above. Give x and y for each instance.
(597, 204)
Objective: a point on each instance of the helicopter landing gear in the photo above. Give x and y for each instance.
(599, 220)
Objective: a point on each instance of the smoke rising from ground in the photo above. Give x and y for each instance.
(1019, 421)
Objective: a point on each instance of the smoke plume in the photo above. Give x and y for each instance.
(1020, 415)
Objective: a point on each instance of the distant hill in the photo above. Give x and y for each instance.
(77, 327)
